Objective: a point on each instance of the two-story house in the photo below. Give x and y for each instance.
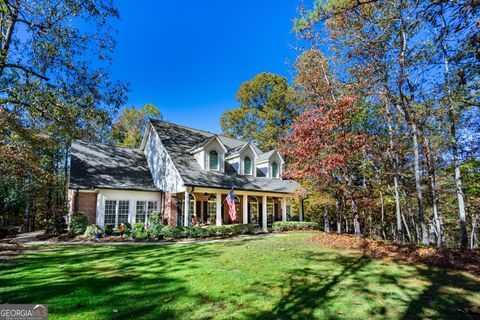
(182, 172)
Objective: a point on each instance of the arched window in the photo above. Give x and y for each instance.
(247, 165)
(274, 170)
(212, 209)
(213, 160)
(253, 209)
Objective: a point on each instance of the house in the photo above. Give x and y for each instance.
(185, 174)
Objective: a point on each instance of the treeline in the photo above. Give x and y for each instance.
(387, 134)
(55, 87)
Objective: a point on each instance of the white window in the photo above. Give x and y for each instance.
(110, 211)
(123, 211)
(141, 214)
(247, 165)
(144, 209)
(213, 160)
(116, 212)
(212, 209)
(253, 204)
(275, 171)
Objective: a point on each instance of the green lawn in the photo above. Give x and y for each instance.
(271, 278)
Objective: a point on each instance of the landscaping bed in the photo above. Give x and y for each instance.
(459, 259)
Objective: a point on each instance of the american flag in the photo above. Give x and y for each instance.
(231, 206)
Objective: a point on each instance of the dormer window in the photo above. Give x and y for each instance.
(275, 170)
(213, 160)
(247, 165)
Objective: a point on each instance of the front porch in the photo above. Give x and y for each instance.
(207, 206)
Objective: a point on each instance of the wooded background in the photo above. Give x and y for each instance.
(380, 121)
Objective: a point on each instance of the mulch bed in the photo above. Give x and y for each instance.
(458, 259)
(10, 250)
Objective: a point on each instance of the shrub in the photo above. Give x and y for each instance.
(109, 229)
(139, 231)
(202, 232)
(294, 226)
(79, 223)
(155, 218)
(172, 232)
(56, 225)
(128, 229)
(92, 230)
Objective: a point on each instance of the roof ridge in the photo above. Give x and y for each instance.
(105, 144)
(195, 129)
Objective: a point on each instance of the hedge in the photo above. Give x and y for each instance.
(294, 226)
(202, 232)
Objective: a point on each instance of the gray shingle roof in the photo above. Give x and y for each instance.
(97, 165)
(265, 156)
(179, 140)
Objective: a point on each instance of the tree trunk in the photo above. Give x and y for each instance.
(437, 217)
(418, 185)
(473, 235)
(4, 51)
(338, 216)
(326, 219)
(382, 216)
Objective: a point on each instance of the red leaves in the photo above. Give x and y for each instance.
(324, 139)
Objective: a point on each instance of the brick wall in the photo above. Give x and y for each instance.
(170, 209)
(86, 202)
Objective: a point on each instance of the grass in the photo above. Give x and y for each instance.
(270, 278)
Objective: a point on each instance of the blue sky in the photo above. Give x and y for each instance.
(190, 57)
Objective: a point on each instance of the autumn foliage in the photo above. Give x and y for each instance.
(324, 138)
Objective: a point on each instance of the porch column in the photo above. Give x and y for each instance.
(245, 209)
(218, 220)
(284, 209)
(300, 209)
(186, 216)
(264, 213)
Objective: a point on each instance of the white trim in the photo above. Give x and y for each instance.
(218, 220)
(264, 213)
(245, 208)
(284, 209)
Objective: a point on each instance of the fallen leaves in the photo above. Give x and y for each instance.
(459, 259)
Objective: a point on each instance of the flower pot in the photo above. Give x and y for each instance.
(98, 235)
(160, 237)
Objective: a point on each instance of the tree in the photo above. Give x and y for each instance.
(54, 86)
(127, 130)
(267, 107)
(416, 62)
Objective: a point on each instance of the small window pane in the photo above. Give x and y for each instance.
(123, 210)
(213, 160)
(274, 170)
(110, 206)
(141, 211)
(248, 165)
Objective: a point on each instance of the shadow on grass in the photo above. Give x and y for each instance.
(120, 282)
(296, 282)
(311, 293)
